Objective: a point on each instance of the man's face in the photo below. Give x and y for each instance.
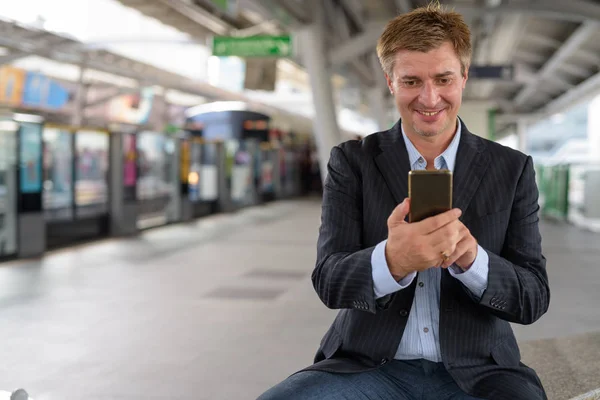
(428, 90)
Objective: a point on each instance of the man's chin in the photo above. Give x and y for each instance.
(430, 131)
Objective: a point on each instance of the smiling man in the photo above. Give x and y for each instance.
(414, 322)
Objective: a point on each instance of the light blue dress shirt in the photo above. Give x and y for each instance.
(421, 336)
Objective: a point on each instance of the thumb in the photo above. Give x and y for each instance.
(399, 214)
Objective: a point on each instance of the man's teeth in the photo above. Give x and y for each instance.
(429, 114)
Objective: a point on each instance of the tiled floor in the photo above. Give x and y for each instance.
(222, 308)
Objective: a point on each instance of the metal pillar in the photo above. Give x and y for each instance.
(80, 96)
(378, 108)
(312, 46)
(592, 174)
(594, 129)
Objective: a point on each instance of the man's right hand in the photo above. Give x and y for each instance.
(419, 246)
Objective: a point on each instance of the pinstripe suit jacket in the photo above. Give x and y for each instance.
(495, 188)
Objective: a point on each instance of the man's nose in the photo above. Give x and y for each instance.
(429, 95)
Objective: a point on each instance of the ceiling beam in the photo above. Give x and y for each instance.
(529, 57)
(354, 9)
(356, 46)
(13, 56)
(570, 46)
(298, 11)
(586, 89)
(200, 16)
(572, 10)
(542, 41)
(575, 70)
(587, 56)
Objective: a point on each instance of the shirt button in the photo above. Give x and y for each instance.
(425, 330)
(421, 284)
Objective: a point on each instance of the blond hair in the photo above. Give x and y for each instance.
(424, 29)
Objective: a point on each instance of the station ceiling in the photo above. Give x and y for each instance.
(552, 46)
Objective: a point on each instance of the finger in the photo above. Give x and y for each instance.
(399, 214)
(432, 224)
(444, 240)
(461, 248)
(446, 237)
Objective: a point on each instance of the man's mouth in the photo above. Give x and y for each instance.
(429, 113)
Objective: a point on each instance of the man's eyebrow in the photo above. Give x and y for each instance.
(440, 75)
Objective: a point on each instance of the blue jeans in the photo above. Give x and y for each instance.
(415, 379)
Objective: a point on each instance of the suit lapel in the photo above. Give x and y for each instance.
(472, 161)
(393, 162)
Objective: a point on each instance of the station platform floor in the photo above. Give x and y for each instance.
(223, 308)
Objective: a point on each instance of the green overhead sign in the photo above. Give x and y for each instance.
(252, 46)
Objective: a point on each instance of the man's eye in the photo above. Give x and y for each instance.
(444, 81)
(410, 83)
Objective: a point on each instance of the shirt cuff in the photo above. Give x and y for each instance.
(383, 281)
(476, 277)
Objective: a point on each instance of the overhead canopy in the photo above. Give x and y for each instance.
(552, 47)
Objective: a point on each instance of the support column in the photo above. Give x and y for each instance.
(522, 136)
(378, 108)
(377, 98)
(312, 47)
(594, 129)
(80, 96)
(591, 195)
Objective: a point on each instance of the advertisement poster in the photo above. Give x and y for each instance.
(31, 157)
(91, 180)
(58, 169)
(132, 108)
(12, 81)
(42, 91)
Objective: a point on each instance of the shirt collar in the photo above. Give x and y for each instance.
(448, 157)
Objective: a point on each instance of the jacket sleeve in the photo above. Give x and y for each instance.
(517, 289)
(343, 275)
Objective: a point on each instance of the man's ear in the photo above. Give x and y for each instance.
(389, 83)
(465, 76)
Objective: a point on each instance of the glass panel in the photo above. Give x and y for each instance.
(209, 173)
(58, 173)
(241, 171)
(154, 178)
(91, 174)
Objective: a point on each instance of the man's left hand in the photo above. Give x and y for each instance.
(465, 253)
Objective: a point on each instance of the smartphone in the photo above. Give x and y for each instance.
(430, 193)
